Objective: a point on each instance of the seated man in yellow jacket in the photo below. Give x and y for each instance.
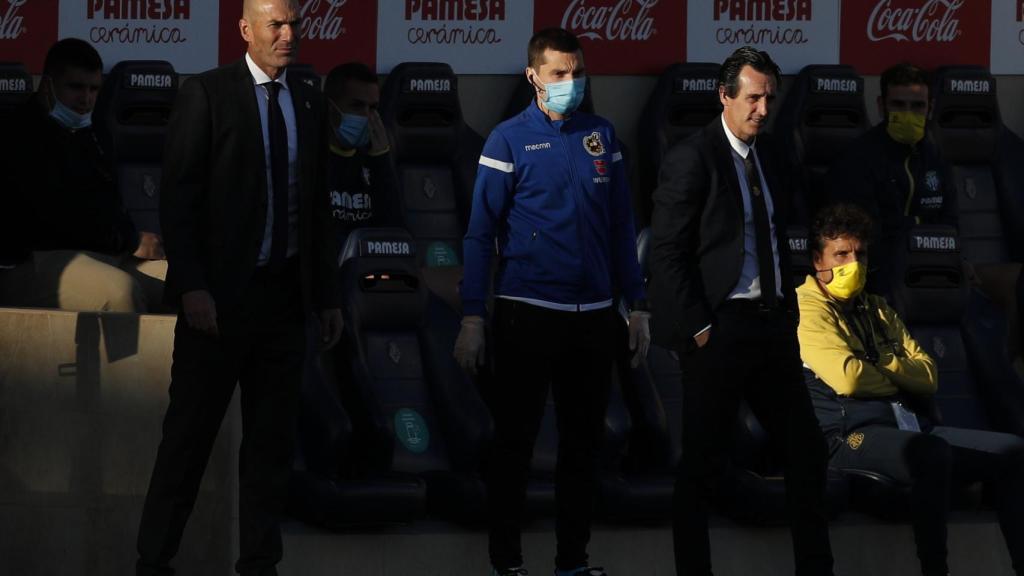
(868, 378)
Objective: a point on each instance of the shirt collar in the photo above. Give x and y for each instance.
(260, 77)
(739, 146)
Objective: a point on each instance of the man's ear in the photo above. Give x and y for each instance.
(721, 96)
(531, 76)
(245, 30)
(881, 107)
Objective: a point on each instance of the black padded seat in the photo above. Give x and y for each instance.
(133, 109)
(683, 101)
(435, 154)
(413, 409)
(823, 111)
(985, 158)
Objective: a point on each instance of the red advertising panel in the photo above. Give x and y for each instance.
(27, 29)
(929, 33)
(621, 36)
(333, 32)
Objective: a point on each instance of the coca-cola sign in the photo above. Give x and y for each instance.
(27, 29)
(331, 32)
(621, 36)
(879, 33)
(1007, 52)
(794, 32)
(473, 36)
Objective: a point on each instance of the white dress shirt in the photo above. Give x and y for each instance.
(284, 99)
(749, 285)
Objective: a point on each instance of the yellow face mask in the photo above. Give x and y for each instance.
(848, 280)
(906, 127)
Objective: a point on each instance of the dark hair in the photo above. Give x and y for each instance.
(729, 73)
(837, 220)
(904, 74)
(71, 53)
(342, 73)
(557, 39)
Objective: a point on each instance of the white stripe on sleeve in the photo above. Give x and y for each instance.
(498, 164)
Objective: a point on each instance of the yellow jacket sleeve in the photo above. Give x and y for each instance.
(911, 369)
(825, 347)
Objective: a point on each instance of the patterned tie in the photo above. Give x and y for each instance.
(279, 177)
(762, 232)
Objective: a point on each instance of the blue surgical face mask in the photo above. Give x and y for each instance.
(67, 117)
(565, 97)
(354, 130)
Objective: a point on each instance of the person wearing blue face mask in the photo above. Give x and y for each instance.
(552, 196)
(73, 245)
(360, 176)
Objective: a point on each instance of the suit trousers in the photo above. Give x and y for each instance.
(930, 464)
(570, 353)
(261, 348)
(752, 353)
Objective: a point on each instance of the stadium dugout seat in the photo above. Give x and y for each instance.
(413, 410)
(324, 488)
(683, 101)
(754, 489)
(435, 153)
(985, 159)
(132, 109)
(961, 330)
(823, 111)
(15, 87)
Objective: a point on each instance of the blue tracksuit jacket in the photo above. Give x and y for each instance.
(553, 198)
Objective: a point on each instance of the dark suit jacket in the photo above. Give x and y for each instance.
(697, 233)
(213, 204)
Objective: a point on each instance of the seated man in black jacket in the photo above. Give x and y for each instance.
(360, 178)
(866, 375)
(894, 171)
(67, 241)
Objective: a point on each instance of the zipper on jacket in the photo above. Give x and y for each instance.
(579, 209)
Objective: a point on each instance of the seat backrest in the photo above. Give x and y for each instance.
(824, 110)
(413, 408)
(435, 154)
(15, 87)
(683, 101)
(931, 298)
(133, 109)
(966, 125)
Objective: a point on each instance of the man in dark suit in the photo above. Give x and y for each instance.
(247, 235)
(722, 296)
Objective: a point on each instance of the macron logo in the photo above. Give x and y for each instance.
(534, 147)
(380, 248)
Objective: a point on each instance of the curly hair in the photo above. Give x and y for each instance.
(836, 220)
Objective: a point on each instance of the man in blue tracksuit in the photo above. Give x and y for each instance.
(551, 195)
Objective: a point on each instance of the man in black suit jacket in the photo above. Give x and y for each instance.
(722, 296)
(247, 234)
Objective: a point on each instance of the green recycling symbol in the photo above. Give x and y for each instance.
(411, 430)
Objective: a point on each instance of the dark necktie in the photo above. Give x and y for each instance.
(762, 231)
(279, 177)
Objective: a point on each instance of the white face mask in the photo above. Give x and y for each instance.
(67, 117)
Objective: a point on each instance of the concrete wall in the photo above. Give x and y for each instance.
(82, 397)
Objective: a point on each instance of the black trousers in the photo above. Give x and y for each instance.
(752, 353)
(570, 352)
(930, 463)
(261, 348)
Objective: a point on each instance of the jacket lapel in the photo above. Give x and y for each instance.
(725, 166)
